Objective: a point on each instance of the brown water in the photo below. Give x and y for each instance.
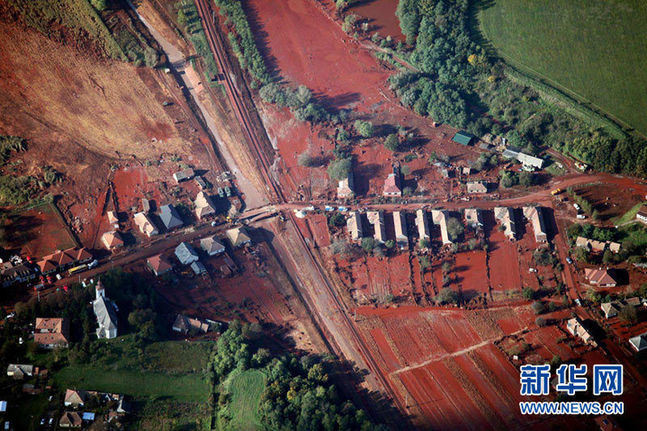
(381, 15)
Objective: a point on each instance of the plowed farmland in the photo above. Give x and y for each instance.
(445, 363)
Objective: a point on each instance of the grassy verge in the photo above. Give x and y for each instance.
(246, 389)
(628, 216)
(189, 20)
(589, 54)
(135, 383)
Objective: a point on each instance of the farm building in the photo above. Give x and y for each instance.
(611, 309)
(463, 138)
(376, 218)
(186, 254)
(204, 206)
(183, 175)
(476, 187)
(474, 217)
(185, 324)
(105, 312)
(145, 224)
(198, 268)
(526, 160)
(600, 277)
(170, 217)
(20, 371)
(575, 328)
(50, 333)
(400, 225)
(112, 240)
(11, 274)
(70, 420)
(536, 217)
(212, 246)
(354, 226)
(506, 216)
(113, 219)
(158, 265)
(346, 187)
(641, 215)
(392, 186)
(639, 342)
(239, 237)
(439, 218)
(423, 224)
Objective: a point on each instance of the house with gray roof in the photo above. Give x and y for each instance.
(170, 217)
(106, 314)
(186, 254)
(212, 246)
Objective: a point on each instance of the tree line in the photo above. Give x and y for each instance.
(459, 84)
(298, 394)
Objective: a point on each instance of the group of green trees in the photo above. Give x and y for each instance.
(459, 84)
(301, 102)
(244, 46)
(298, 391)
(511, 178)
(189, 21)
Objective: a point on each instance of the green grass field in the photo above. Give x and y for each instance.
(593, 49)
(191, 387)
(246, 389)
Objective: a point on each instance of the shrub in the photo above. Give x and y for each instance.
(528, 293)
(339, 169)
(306, 160)
(541, 322)
(538, 307)
(391, 142)
(454, 228)
(447, 296)
(364, 129)
(368, 244)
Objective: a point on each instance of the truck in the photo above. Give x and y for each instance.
(556, 192)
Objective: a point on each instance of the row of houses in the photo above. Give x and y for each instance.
(15, 273)
(597, 246)
(204, 207)
(188, 256)
(473, 217)
(535, 215)
(61, 260)
(375, 219)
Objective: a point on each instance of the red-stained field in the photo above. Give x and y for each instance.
(445, 364)
(471, 270)
(37, 232)
(503, 262)
(305, 47)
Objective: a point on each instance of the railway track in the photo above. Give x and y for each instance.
(236, 98)
(241, 110)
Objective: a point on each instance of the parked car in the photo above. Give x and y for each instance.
(569, 260)
(93, 263)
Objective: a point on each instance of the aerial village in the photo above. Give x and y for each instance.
(433, 269)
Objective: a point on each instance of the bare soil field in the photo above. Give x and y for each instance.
(444, 362)
(50, 86)
(259, 293)
(38, 232)
(304, 46)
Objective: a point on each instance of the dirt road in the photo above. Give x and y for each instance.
(193, 84)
